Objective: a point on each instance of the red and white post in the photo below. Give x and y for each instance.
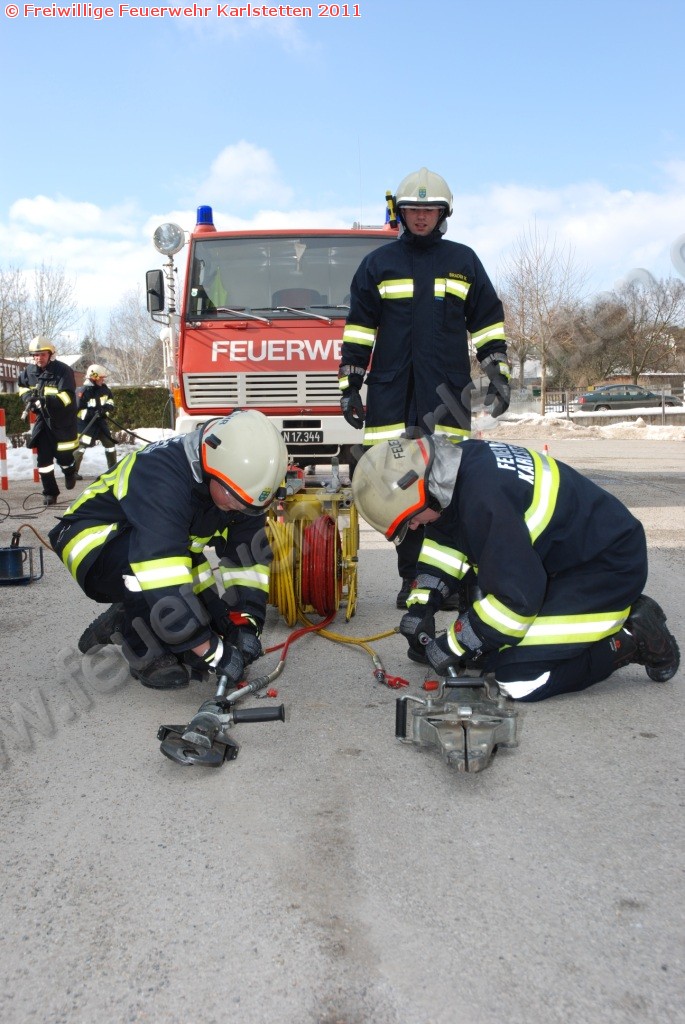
(4, 479)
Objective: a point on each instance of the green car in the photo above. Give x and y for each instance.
(622, 396)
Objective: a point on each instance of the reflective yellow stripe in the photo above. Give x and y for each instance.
(67, 446)
(448, 286)
(574, 629)
(355, 334)
(454, 434)
(403, 288)
(118, 477)
(545, 493)
(256, 576)
(373, 435)
(162, 572)
(495, 614)
(83, 543)
(448, 559)
(453, 642)
(495, 332)
(203, 577)
(64, 397)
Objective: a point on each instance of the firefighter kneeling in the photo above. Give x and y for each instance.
(137, 537)
(559, 565)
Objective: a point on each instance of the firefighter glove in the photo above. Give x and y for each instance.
(249, 645)
(352, 408)
(418, 623)
(460, 645)
(225, 660)
(441, 656)
(499, 389)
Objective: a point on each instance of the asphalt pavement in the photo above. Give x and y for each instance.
(332, 874)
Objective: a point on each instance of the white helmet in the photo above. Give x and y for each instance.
(41, 344)
(390, 484)
(246, 454)
(96, 370)
(425, 188)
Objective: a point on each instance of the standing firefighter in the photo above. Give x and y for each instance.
(136, 537)
(414, 303)
(48, 389)
(95, 403)
(561, 564)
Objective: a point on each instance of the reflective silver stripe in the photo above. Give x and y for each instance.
(373, 435)
(256, 576)
(574, 629)
(164, 575)
(450, 286)
(495, 614)
(448, 559)
(523, 687)
(399, 289)
(495, 332)
(355, 334)
(545, 493)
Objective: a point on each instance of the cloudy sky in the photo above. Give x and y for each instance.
(566, 115)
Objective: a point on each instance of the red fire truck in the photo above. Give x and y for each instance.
(259, 325)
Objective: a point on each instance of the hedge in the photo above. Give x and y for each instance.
(133, 407)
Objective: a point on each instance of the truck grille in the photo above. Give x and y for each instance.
(216, 390)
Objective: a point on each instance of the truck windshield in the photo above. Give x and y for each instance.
(230, 276)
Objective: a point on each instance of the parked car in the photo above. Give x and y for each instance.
(622, 396)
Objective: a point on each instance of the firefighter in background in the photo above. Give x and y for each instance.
(48, 389)
(561, 564)
(95, 403)
(413, 304)
(136, 540)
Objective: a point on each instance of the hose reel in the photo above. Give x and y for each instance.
(314, 536)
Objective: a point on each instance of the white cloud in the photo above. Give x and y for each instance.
(610, 232)
(108, 249)
(244, 175)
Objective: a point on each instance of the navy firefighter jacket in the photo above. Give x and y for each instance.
(413, 304)
(158, 495)
(559, 560)
(55, 391)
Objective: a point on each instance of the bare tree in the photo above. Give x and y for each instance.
(134, 350)
(519, 321)
(14, 312)
(654, 316)
(91, 346)
(588, 342)
(540, 279)
(54, 306)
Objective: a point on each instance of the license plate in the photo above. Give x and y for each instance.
(303, 436)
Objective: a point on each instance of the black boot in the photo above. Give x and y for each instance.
(164, 673)
(78, 459)
(405, 591)
(644, 640)
(49, 499)
(101, 629)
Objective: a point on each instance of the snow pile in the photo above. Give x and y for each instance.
(20, 461)
(510, 427)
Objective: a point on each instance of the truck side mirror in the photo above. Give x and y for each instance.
(154, 287)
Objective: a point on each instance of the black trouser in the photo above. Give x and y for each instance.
(572, 675)
(408, 553)
(105, 584)
(46, 447)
